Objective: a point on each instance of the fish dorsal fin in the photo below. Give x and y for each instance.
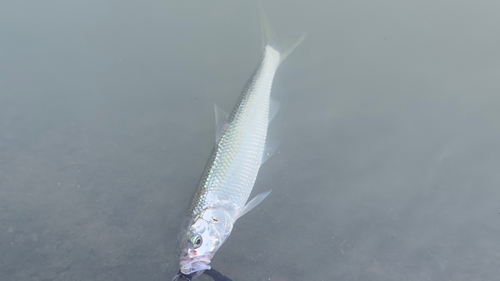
(270, 149)
(221, 122)
(274, 106)
(253, 203)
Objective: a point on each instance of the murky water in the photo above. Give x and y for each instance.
(388, 168)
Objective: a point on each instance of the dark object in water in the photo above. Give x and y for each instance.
(217, 276)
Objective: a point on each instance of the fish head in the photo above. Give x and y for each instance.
(205, 234)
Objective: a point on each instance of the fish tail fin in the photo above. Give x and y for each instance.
(285, 44)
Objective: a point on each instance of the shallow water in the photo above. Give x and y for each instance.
(388, 168)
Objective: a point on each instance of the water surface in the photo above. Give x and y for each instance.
(388, 168)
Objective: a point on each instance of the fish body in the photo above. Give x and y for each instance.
(240, 149)
(234, 163)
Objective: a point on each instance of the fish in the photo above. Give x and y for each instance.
(241, 147)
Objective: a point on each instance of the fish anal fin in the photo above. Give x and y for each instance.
(274, 106)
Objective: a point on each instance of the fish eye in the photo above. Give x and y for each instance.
(196, 241)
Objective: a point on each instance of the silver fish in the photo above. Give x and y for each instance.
(240, 149)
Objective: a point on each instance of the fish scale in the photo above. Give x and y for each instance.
(233, 166)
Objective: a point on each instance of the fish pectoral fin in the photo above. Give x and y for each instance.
(254, 202)
(221, 122)
(269, 150)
